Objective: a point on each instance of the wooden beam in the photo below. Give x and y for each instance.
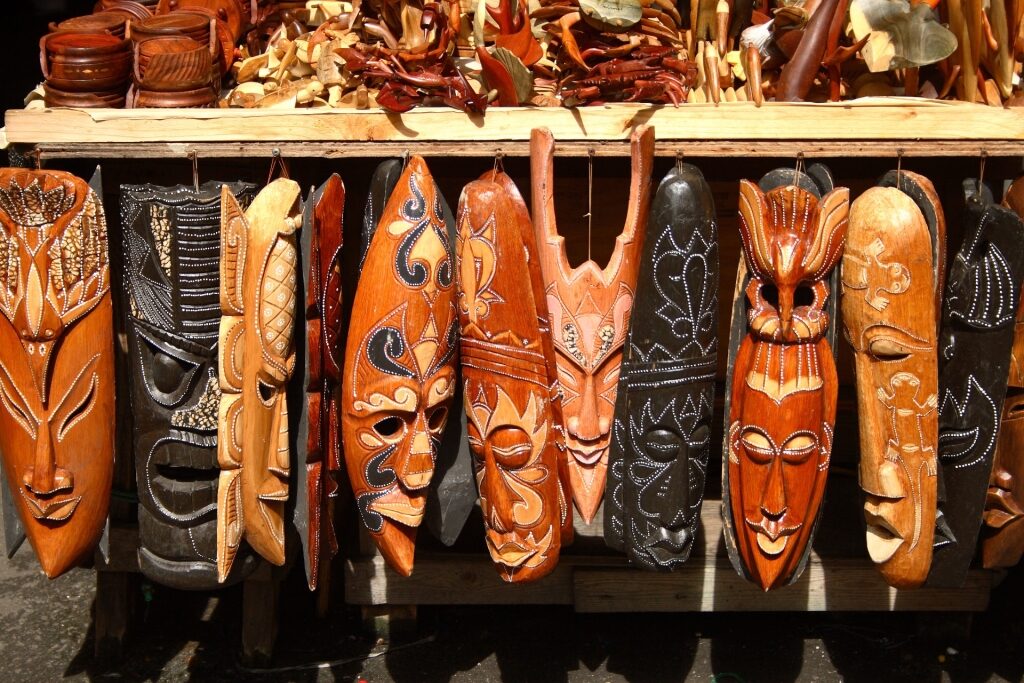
(910, 124)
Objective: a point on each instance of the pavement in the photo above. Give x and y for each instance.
(47, 634)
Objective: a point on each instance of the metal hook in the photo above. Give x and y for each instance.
(899, 169)
(799, 169)
(981, 171)
(405, 159)
(679, 161)
(38, 155)
(499, 161)
(193, 155)
(277, 162)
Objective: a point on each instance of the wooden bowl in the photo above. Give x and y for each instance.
(127, 8)
(66, 55)
(55, 97)
(113, 23)
(199, 98)
(232, 13)
(112, 74)
(172, 64)
(195, 26)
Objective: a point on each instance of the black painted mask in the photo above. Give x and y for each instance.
(659, 450)
(171, 300)
(982, 295)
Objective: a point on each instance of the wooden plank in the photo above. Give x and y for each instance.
(835, 585)
(892, 119)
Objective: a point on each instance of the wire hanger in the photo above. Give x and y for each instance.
(277, 163)
(193, 156)
(590, 201)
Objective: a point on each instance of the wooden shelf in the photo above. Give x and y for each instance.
(604, 583)
(866, 127)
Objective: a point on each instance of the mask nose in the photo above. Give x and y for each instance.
(43, 477)
(786, 309)
(773, 497)
(499, 498)
(586, 425)
(417, 466)
(676, 506)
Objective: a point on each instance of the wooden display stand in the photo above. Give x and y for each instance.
(839, 576)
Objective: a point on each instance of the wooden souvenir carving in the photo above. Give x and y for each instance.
(890, 275)
(1003, 534)
(320, 432)
(508, 370)
(400, 360)
(258, 263)
(56, 362)
(589, 308)
(659, 450)
(982, 296)
(783, 393)
(171, 301)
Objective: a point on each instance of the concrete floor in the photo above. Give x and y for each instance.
(47, 634)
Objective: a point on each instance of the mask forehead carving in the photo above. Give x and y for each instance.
(889, 279)
(1003, 531)
(171, 255)
(399, 375)
(982, 297)
(659, 451)
(56, 361)
(257, 357)
(590, 309)
(783, 394)
(508, 375)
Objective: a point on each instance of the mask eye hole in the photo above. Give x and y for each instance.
(388, 427)
(169, 372)
(437, 419)
(803, 296)
(888, 350)
(266, 392)
(662, 445)
(770, 293)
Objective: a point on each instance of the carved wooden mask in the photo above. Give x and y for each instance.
(589, 308)
(890, 317)
(172, 303)
(784, 385)
(257, 357)
(508, 377)
(321, 255)
(659, 451)
(399, 374)
(56, 362)
(1003, 534)
(982, 296)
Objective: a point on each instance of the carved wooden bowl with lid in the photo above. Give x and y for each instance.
(85, 62)
(114, 23)
(172, 63)
(197, 98)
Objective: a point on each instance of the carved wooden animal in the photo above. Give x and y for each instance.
(982, 297)
(890, 275)
(171, 301)
(508, 371)
(659, 451)
(784, 385)
(56, 362)
(1002, 544)
(321, 243)
(589, 308)
(257, 358)
(400, 365)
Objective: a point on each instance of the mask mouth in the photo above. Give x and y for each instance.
(587, 452)
(772, 535)
(397, 507)
(1001, 508)
(883, 538)
(182, 476)
(510, 550)
(50, 510)
(665, 545)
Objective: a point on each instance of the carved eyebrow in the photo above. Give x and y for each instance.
(16, 404)
(74, 388)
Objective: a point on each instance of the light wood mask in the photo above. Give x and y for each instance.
(324, 329)
(589, 308)
(890, 282)
(56, 362)
(257, 358)
(400, 365)
(783, 401)
(1002, 543)
(508, 370)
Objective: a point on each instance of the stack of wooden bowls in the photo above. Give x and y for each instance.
(175, 57)
(114, 23)
(85, 68)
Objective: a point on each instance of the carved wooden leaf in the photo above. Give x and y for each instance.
(522, 78)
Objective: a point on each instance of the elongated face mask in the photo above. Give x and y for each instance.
(56, 362)
(257, 357)
(659, 452)
(889, 318)
(399, 375)
(171, 255)
(589, 308)
(507, 375)
(981, 301)
(783, 402)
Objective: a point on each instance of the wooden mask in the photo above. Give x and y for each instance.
(508, 371)
(56, 361)
(319, 433)
(589, 308)
(659, 451)
(982, 296)
(171, 300)
(258, 295)
(783, 387)
(1003, 536)
(400, 359)
(890, 279)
